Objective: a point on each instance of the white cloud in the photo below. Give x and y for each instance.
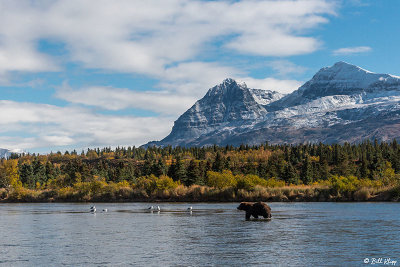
(194, 78)
(110, 98)
(282, 86)
(51, 126)
(352, 50)
(22, 57)
(162, 39)
(358, 3)
(285, 67)
(275, 45)
(183, 85)
(146, 36)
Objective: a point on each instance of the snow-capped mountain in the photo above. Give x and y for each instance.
(340, 79)
(342, 103)
(6, 153)
(228, 105)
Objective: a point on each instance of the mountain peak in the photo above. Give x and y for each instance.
(350, 77)
(336, 103)
(341, 64)
(340, 79)
(342, 71)
(229, 104)
(232, 82)
(228, 86)
(228, 81)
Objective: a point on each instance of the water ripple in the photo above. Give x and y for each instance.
(299, 234)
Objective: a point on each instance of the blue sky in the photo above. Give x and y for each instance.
(77, 74)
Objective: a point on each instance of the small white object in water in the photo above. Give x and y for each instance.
(151, 208)
(93, 209)
(158, 208)
(189, 209)
(105, 210)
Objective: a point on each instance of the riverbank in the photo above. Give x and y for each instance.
(197, 193)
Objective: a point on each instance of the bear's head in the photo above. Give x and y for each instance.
(245, 206)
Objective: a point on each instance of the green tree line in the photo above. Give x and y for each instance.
(287, 164)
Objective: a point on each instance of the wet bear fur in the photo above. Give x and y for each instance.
(255, 209)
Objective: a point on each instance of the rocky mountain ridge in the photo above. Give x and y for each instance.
(341, 103)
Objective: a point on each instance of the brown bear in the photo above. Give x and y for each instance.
(255, 209)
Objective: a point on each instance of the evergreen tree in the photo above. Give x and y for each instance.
(147, 165)
(51, 172)
(39, 171)
(159, 168)
(178, 170)
(262, 169)
(324, 169)
(193, 173)
(27, 176)
(219, 163)
(364, 172)
(290, 175)
(306, 171)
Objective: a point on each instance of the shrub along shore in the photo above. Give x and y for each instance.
(369, 171)
(123, 192)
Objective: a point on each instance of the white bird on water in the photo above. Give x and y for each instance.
(151, 208)
(190, 209)
(105, 210)
(93, 209)
(158, 208)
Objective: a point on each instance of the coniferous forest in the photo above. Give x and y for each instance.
(308, 172)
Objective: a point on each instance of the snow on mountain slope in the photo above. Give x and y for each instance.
(265, 97)
(337, 102)
(340, 79)
(6, 153)
(229, 104)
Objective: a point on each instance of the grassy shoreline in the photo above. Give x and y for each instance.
(196, 193)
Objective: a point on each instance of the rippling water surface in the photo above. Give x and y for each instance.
(299, 234)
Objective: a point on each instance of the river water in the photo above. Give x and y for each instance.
(213, 234)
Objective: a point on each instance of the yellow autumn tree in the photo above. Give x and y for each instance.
(389, 176)
(9, 175)
(221, 180)
(249, 181)
(164, 182)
